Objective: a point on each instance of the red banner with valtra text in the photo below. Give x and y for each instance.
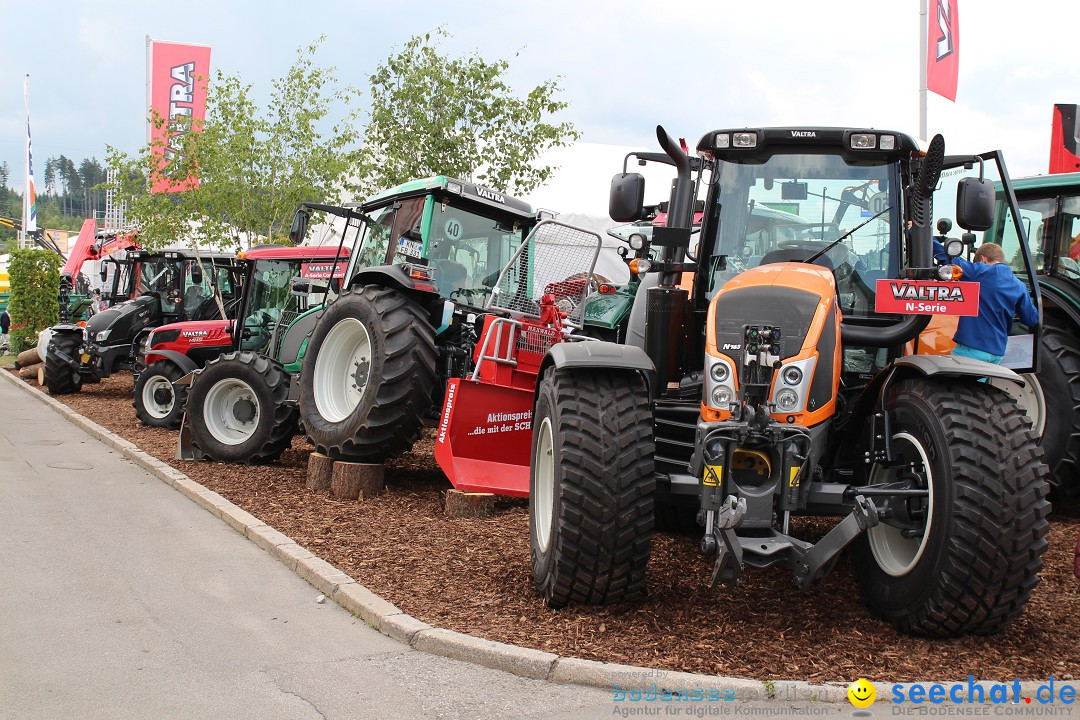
(943, 48)
(176, 76)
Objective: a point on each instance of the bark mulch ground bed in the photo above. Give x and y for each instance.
(473, 576)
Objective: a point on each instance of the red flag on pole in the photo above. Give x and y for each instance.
(943, 48)
(176, 78)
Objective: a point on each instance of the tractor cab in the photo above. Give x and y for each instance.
(445, 238)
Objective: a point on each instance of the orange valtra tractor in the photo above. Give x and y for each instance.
(793, 377)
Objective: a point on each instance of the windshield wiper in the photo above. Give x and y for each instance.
(846, 235)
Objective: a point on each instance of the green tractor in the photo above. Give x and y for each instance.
(1049, 210)
(423, 269)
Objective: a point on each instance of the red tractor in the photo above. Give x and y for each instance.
(266, 311)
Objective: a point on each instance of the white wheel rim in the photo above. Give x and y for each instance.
(153, 408)
(225, 405)
(895, 554)
(342, 370)
(542, 499)
(1030, 397)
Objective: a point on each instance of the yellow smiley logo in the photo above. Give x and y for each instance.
(861, 693)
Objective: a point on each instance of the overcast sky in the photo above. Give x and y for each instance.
(625, 67)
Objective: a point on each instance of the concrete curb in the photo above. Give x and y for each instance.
(391, 621)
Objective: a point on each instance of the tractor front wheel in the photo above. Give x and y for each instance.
(591, 487)
(159, 403)
(368, 376)
(972, 551)
(61, 378)
(238, 409)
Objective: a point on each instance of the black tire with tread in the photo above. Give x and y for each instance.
(172, 373)
(604, 487)
(271, 385)
(389, 420)
(1059, 376)
(60, 379)
(983, 558)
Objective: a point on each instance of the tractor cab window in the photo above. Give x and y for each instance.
(198, 296)
(374, 243)
(159, 276)
(1068, 256)
(271, 285)
(408, 242)
(791, 207)
(467, 250)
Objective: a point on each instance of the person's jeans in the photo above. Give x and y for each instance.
(976, 354)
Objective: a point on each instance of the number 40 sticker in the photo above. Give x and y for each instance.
(453, 229)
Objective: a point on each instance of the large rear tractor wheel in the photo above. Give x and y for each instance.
(368, 377)
(591, 487)
(1059, 375)
(60, 378)
(159, 403)
(970, 560)
(238, 409)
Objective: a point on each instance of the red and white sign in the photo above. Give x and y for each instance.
(323, 270)
(176, 90)
(943, 48)
(927, 297)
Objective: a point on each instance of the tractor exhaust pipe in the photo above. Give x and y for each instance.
(666, 304)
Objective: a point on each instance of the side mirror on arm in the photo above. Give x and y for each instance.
(975, 203)
(299, 226)
(627, 197)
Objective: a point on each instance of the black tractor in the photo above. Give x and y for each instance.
(149, 289)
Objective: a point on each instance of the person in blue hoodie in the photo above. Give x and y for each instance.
(1001, 297)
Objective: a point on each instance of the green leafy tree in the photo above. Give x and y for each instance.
(432, 114)
(35, 286)
(253, 165)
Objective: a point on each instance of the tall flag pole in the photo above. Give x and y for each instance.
(29, 196)
(940, 53)
(922, 69)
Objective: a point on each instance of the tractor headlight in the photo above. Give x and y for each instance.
(792, 375)
(744, 139)
(787, 400)
(863, 141)
(888, 142)
(103, 335)
(719, 372)
(722, 396)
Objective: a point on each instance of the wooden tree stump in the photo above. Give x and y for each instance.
(28, 358)
(469, 504)
(352, 481)
(41, 374)
(30, 371)
(319, 469)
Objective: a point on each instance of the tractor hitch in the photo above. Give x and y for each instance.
(816, 563)
(720, 538)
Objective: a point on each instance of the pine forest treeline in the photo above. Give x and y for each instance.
(66, 193)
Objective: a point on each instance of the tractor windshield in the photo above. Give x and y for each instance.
(272, 302)
(794, 205)
(468, 250)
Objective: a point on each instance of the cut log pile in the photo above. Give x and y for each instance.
(30, 366)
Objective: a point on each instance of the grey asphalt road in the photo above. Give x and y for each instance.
(120, 598)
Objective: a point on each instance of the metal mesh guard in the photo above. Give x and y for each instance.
(556, 258)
